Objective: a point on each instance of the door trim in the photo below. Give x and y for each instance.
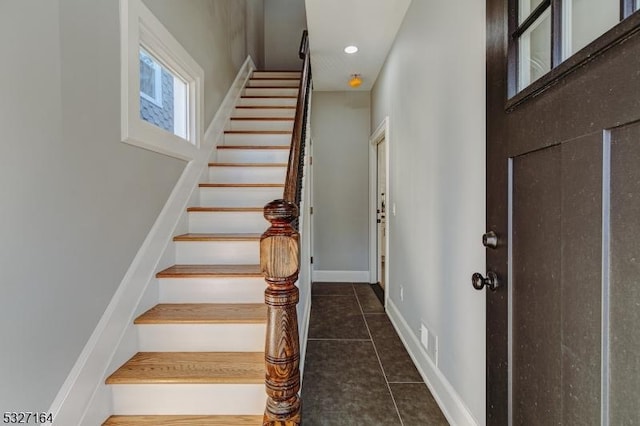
(380, 134)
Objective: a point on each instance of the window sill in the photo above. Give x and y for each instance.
(154, 139)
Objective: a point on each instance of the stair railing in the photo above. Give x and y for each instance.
(280, 265)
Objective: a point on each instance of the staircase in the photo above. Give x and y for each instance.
(201, 359)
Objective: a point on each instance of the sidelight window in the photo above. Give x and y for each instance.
(544, 33)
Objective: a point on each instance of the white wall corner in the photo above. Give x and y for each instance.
(341, 276)
(83, 397)
(216, 127)
(303, 335)
(450, 402)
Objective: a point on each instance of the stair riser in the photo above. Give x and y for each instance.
(227, 222)
(212, 290)
(238, 197)
(253, 155)
(275, 74)
(167, 399)
(264, 112)
(217, 252)
(273, 83)
(201, 337)
(219, 174)
(267, 91)
(261, 125)
(267, 102)
(242, 139)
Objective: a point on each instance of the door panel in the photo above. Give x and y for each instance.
(556, 283)
(581, 277)
(536, 292)
(624, 323)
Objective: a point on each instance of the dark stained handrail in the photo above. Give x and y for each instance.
(294, 172)
(280, 265)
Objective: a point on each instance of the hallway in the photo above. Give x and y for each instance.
(357, 371)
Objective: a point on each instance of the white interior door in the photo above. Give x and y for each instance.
(381, 207)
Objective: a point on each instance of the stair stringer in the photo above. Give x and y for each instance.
(84, 398)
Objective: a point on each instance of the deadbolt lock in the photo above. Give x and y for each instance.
(490, 240)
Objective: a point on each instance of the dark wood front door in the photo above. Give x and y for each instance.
(563, 196)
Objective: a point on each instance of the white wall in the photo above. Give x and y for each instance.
(340, 131)
(75, 202)
(432, 87)
(213, 32)
(284, 21)
(255, 31)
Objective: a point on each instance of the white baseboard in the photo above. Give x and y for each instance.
(451, 404)
(82, 398)
(341, 276)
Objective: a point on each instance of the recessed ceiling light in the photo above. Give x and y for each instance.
(351, 49)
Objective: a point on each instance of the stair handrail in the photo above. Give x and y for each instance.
(293, 183)
(280, 265)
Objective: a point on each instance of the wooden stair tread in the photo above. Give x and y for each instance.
(210, 271)
(205, 313)
(275, 78)
(241, 185)
(225, 209)
(240, 420)
(247, 164)
(191, 368)
(258, 132)
(271, 96)
(264, 107)
(272, 87)
(261, 119)
(217, 237)
(254, 147)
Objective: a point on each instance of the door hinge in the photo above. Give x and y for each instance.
(310, 161)
(310, 210)
(312, 260)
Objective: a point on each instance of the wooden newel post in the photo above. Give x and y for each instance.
(280, 261)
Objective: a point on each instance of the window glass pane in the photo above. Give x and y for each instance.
(535, 51)
(586, 20)
(525, 7)
(637, 6)
(150, 79)
(163, 96)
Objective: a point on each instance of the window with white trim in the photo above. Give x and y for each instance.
(162, 86)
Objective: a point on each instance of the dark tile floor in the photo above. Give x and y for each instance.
(357, 372)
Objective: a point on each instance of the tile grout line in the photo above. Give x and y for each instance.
(375, 349)
(331, 295)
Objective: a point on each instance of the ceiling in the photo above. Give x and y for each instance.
(334, 24)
